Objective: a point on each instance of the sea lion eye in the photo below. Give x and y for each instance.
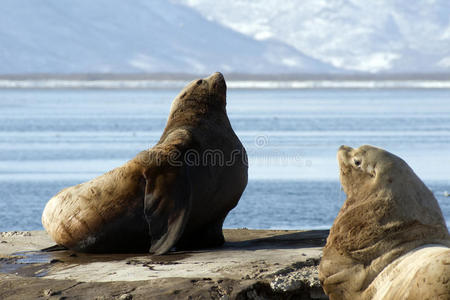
(357, 162)
(200, 81)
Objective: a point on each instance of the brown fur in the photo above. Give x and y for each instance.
(387, 213)
(160, 199)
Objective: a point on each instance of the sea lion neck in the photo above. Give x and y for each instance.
(196, 114)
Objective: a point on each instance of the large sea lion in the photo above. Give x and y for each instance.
(389, 240)
(177, 193)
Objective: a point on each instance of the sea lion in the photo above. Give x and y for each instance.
(389, 240)
(177, 193)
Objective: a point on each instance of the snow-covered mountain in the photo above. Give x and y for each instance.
(242, 36)
(362, 35)
(83, 36)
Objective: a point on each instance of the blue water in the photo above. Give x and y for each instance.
(51, 139)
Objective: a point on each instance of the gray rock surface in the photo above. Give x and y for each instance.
(253, 264)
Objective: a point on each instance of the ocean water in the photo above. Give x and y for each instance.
(54, 138)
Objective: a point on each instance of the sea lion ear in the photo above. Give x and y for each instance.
(167, 207)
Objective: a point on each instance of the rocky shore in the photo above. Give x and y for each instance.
(253, 264)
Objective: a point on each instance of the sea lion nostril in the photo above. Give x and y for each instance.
(200, 81)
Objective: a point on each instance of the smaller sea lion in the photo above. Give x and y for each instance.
(389, 240)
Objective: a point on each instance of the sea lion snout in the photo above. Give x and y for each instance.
(345, 148)
(343, 155)
(217, 83)
(217, 76)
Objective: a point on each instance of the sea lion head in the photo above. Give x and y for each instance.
(367, 168)
(201, 96)
(387, 205)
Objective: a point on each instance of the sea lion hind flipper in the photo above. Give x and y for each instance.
(167, 206)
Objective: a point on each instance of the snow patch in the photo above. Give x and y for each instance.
(377, 62)
(372, 36)
(445, 62)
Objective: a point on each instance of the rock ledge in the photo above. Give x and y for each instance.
(253, 264)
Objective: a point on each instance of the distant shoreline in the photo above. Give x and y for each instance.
(234, 81)
(149, 84)
(233, 76)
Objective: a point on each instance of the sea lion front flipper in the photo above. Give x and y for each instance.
(167, 206)
(209, 236)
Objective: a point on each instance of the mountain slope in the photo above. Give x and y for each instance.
(62, 36)
(369, 36)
